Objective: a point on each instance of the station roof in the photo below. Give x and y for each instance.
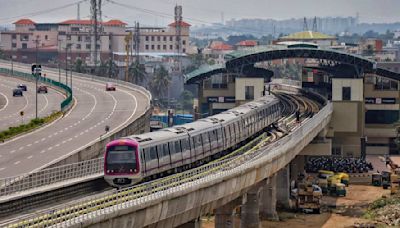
(239, 59)
(24, 22)
(203, 72)
(307, 35)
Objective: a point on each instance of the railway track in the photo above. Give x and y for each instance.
(291, 104)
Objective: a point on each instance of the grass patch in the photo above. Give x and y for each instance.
(35, 123)
(380, 203)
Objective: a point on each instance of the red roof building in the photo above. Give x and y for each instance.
(24, 22)
(247, 43)
(183, 24)
(89, 22)
(220, 46)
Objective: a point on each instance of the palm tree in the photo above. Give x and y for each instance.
(160, 82)
(137, 72)
(112, 69)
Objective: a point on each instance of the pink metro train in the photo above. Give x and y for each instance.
(131, 159)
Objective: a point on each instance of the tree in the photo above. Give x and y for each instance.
(79, 66)
(160, 82)
(112, 69)
(137, 72)
(186, 99)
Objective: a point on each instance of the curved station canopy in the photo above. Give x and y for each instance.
(238, 60)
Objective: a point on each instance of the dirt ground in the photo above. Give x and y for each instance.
(337, 211)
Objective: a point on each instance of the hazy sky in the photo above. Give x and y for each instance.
(202, 11)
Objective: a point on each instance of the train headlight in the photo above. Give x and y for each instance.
(134, 170)
(130, 170)
(108, 171)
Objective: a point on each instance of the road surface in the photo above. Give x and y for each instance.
(94, 109)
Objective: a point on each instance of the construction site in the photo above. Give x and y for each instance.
(327, 199)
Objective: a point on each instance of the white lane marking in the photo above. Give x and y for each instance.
(21, 148)
(13, 151)
(37, 141)
(29, 157)
(1, 169)
(57, 145)
(30, 144)
(69, 139)
(50, 148)
(5, 106)
(42, 151)
(43, 139)
(17, 162)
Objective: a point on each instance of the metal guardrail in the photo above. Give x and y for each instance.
(147, 192)
(45, 177)
(65, 104)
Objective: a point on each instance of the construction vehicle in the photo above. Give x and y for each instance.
(377, 179)
(394, 176)
(308, 196)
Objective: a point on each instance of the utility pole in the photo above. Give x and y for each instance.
(305, 26)
(71, 67)
(66, 64)
(128, 39)
(36, 77)
(178, 31)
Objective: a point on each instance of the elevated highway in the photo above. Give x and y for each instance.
(10, 112)
(80, 128)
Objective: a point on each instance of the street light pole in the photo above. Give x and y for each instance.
(71, 67)
(37, 78)
(66, 64)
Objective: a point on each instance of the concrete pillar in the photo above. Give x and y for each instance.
(268, 200)
(297, 166)
(250, 209)
(283, 187)
(224, 215)
(192, 224)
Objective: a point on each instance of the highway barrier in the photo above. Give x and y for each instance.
(64, 106)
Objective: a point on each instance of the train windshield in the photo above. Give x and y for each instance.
(121, 154)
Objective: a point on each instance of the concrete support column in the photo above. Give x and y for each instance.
(297, 166)
(224, 214)
(250, 209)
(268, 200)
(283, 187)
(192, 224)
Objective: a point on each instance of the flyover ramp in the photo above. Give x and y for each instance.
(80, 129)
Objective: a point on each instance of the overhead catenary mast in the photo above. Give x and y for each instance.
(178, 34)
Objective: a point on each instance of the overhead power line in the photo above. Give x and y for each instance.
(40, 12)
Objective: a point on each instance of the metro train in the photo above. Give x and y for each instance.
(131, 159)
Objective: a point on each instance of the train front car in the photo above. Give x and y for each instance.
(122, 163)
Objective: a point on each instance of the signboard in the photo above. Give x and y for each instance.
(377, 100)
(221, 99)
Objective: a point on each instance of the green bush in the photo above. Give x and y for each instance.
(35, 123)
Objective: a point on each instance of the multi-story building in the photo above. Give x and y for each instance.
(77, 37)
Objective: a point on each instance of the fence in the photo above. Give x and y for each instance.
(181, 182)
(10, 185)
(65, 104)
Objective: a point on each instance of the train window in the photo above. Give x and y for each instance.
(171, 147)
(219, 134)
(165, 149)
(153, 153)
(197, 140)
(160, 151)
(205, 138)
(192, 143)
(146, 153)
(177, 147)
